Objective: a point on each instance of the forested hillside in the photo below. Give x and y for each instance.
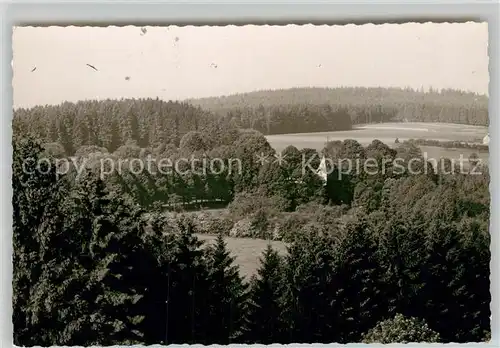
(369, 256)
(363, 105)
(98, 262)
(151, 122)
(300, 215)
(111, 123)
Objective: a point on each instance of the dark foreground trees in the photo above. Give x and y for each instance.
(265, 308)
(91, 269)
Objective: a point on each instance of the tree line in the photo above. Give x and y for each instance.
(91, 269)
(237, 169)
(111, 123)
(208, 169)
(451, 144)
(363, 105)
(153, 122)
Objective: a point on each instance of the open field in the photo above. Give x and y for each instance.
(437, 152)
(247, 251)
(385, 132)
(388, 132)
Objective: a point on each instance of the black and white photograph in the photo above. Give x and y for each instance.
(250, 184)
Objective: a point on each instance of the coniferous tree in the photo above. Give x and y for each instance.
(188, 284)
(311, 289)
(226, 296)
(359, 271)
(37, 237)
(265, 319)
(448, 286)
(109, 270)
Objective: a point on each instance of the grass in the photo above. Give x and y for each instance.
(247, 251)
(387, 133)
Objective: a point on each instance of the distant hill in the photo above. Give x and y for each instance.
(112, 123)
(152, 122)
(268, 110)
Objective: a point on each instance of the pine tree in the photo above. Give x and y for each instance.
(113, 137)
(106, 283)
(473, 275)
(187, 278)
(359, 271)
(265, 321)
(38, 195)
(402, 255)
(312, 289)
(457, 282)
(226, 297)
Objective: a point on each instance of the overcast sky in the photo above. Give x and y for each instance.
(186, 62)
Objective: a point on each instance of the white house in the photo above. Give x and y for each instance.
(486, 139)
(322, 171)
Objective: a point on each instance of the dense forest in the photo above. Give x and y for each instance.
(153, 122)
(232, 168)
(389, 257)
(112, 123)
(363, 105)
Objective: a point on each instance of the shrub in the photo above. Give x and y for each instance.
(401, 329)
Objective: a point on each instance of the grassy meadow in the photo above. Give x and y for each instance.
(247, 251)
(388, 132)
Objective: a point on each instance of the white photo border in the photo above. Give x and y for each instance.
(141, 13)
